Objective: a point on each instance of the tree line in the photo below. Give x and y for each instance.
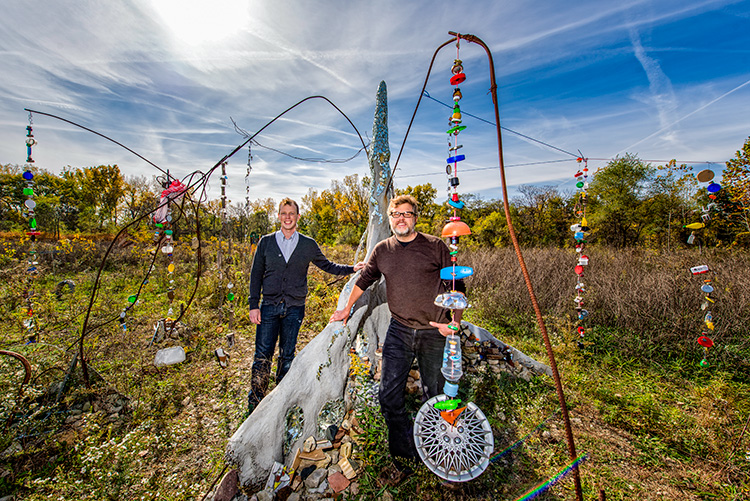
(630, 203)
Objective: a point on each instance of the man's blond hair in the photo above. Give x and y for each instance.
(404, 199)
(288, 201)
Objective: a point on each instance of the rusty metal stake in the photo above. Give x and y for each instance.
(521, 262)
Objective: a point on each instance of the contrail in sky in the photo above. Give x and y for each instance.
(684, 117)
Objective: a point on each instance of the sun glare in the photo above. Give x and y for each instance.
(199, 22)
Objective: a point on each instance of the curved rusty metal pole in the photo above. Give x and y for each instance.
(26, 368)
(526, 278)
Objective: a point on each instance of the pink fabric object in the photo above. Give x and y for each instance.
(175, 191)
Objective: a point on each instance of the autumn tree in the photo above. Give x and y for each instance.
(541, 216)
(138, 198)
(96, 192)
(672, 204)
(338, 214)
(428, 210)
(619, 201)
(736, 180)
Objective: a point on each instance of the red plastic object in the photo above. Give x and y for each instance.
(705, 341)
(579, 269)
(456, 229)
(458, 78)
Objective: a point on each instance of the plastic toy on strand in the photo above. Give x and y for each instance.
(453, 440)
(225, 270)
(706, 305)
(580, 230)
(163, 223)
(32, 263)
(707, 288)
(704, 176)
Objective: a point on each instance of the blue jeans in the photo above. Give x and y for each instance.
(277, 322)
(401, 345)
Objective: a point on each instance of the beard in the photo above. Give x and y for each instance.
(403, 232)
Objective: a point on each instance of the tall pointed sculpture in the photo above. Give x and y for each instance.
(382, 190)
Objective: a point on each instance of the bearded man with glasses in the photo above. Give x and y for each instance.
(411, 262)
(279, 273)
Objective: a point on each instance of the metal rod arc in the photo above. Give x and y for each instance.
(522, 263)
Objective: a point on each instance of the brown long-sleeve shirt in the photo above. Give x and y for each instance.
(412, 278)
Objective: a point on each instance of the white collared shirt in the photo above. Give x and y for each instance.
(287, 245)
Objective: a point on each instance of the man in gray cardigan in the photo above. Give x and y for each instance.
(279, 273)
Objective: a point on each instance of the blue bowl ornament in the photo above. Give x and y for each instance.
(457, 272)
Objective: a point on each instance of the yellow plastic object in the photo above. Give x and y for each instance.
(695, 226)
(456, 229)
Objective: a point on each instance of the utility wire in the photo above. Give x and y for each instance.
(488, 168)
(427, 95)
(578, 155)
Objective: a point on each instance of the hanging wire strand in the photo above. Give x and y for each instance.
(244, 133)
(100, 135)
(314, 160)
(427, 95)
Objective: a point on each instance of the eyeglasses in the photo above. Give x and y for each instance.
(408, 214)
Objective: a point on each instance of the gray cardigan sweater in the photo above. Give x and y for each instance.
(280, 281)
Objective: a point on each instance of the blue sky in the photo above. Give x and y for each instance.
(660, 79)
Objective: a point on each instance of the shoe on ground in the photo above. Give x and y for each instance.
(392, 477)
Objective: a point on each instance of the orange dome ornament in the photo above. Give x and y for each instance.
(455, 229)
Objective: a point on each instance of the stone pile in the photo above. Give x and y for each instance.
(322, 469)
(325, 468)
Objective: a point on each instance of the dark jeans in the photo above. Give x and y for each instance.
(401, 345)
(277, 322)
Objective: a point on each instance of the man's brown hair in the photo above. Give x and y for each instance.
(288, 201)
(404, 199)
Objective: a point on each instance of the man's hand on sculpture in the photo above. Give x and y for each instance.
(340, 315)
(255, 316)
(359, 266)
